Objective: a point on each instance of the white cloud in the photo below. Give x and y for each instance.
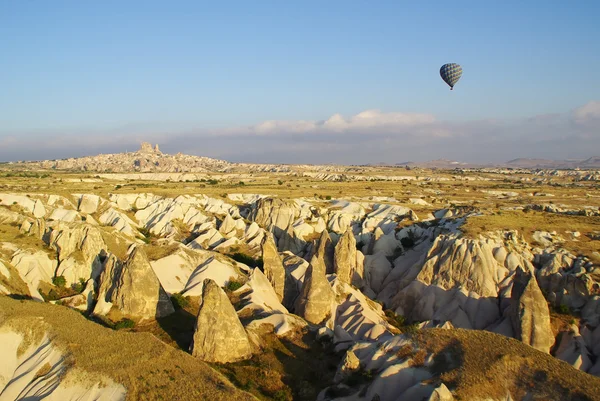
(274, 126)
(376, 119)
(369, 136)
(366, 121)
(588, 113)
(8, 140)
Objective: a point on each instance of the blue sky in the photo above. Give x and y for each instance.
(98, 75)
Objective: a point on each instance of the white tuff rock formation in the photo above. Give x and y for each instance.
(315, 302)
(326, 252)
(219, 336)
(273, 266)
(38, 370)
(344, 260)
(133, 288)
(529, 313)
(274, 214)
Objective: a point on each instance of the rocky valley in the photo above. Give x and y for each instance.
(147, 276)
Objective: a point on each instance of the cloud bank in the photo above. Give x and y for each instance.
(371, 136)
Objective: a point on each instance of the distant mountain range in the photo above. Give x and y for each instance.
(590, 163)
(440, 163)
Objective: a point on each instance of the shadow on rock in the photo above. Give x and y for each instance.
(179, 326)
(449, 359)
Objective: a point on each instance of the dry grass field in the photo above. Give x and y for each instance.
(483, 365)
(147, 367)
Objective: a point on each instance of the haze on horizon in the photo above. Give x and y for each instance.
(341, 82)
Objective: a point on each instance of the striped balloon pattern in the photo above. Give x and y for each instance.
(451, 73)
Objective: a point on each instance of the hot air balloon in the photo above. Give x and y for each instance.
(451, 73)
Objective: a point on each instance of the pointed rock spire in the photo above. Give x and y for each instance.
(325, 251)
(344, 259)
(219, 335)
(529, 314)
(314, 304)
(273, 266)
(132, 288)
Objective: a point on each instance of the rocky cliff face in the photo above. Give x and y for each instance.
(133, 288)
(274, 214)
(481, 284)
(450, 279)
(464, 262)
(78, 248)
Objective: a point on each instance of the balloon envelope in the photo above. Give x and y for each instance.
(451, 73)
